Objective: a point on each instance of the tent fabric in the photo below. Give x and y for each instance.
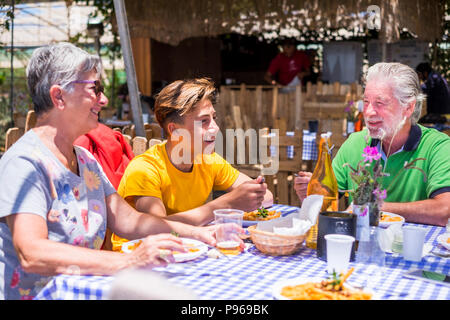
(171, 21)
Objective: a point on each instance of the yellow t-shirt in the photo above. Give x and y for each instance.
(152, 174)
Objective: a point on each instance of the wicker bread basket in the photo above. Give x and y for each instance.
(275, 244)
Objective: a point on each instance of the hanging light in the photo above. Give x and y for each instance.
(94, 27)
(95, 30)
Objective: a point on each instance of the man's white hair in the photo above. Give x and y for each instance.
(406, 86)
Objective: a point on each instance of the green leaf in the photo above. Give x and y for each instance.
(433, 275)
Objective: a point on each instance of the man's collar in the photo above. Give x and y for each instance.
(411, 143)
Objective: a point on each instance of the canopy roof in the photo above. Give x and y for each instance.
(171, 21)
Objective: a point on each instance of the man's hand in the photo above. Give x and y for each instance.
(301, 184)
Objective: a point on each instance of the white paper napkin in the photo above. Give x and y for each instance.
(298, 228)
(311, 208)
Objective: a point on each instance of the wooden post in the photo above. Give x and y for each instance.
(274, 103)
(298, 108)
(259, 108)
(125, 43)
(142, 57)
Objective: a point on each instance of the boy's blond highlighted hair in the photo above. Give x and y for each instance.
(181, 97)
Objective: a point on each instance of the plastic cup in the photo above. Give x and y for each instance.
(339, 248)
(413, 239)
(227, 237)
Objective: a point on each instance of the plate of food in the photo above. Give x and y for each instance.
(313, 288)
(444, 240)
(261, 214)
(389, 218)
(194, 249)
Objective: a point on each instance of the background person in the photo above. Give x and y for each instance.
(436, 88)
(173, 180)
(56, 201)
(392, 106)
(289, 67)
(112, 152)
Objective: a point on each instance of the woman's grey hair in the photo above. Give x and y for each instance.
(406, 85)
(57, 64)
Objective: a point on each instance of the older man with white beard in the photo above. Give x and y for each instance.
(392, 106)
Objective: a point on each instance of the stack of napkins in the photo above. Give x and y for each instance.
(297, 223)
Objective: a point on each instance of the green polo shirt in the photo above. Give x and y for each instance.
(409, 185)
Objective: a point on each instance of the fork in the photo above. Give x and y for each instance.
(439, 254)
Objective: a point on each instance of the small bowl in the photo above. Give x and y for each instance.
(275, 244)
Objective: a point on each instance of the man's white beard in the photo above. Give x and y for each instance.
(388, 132)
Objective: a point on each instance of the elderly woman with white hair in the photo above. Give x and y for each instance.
(56, 201)
(392, 106)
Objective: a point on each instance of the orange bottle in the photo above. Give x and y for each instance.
(323, 182)
(359, 122)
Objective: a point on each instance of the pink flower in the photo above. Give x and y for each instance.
(365, 211)
(371, 153)
(380, 194)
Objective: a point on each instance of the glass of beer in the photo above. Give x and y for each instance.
(227, 235)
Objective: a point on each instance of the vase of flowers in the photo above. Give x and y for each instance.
(368, 195)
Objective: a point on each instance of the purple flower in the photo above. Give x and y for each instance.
(380, 194)
(371, 153)
(365, 211)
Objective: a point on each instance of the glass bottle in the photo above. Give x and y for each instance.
(359, 122)
(323, 182)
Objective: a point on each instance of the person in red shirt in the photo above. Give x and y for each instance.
(113, 153)
(289, 67)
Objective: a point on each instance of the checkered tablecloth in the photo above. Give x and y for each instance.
(251, 275)
(309, 151)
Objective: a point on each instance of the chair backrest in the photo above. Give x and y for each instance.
(139, 145)
(129, 130)
(30, 121)
(156, 130)
(12, 135)
(153, 142)
(447, 132)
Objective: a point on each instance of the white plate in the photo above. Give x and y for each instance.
(278, 286)
(179, 257)
(442, 239)
(387, 224)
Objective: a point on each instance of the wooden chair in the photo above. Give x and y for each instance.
(127, 138)
(30, 121)
(139, 145)
(153, 142)
(156, 130)
(447, 132)
(129, 130)
(12, 135)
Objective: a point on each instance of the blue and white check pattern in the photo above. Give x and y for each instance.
(309, 151)
(251, 275)
(309, 145)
